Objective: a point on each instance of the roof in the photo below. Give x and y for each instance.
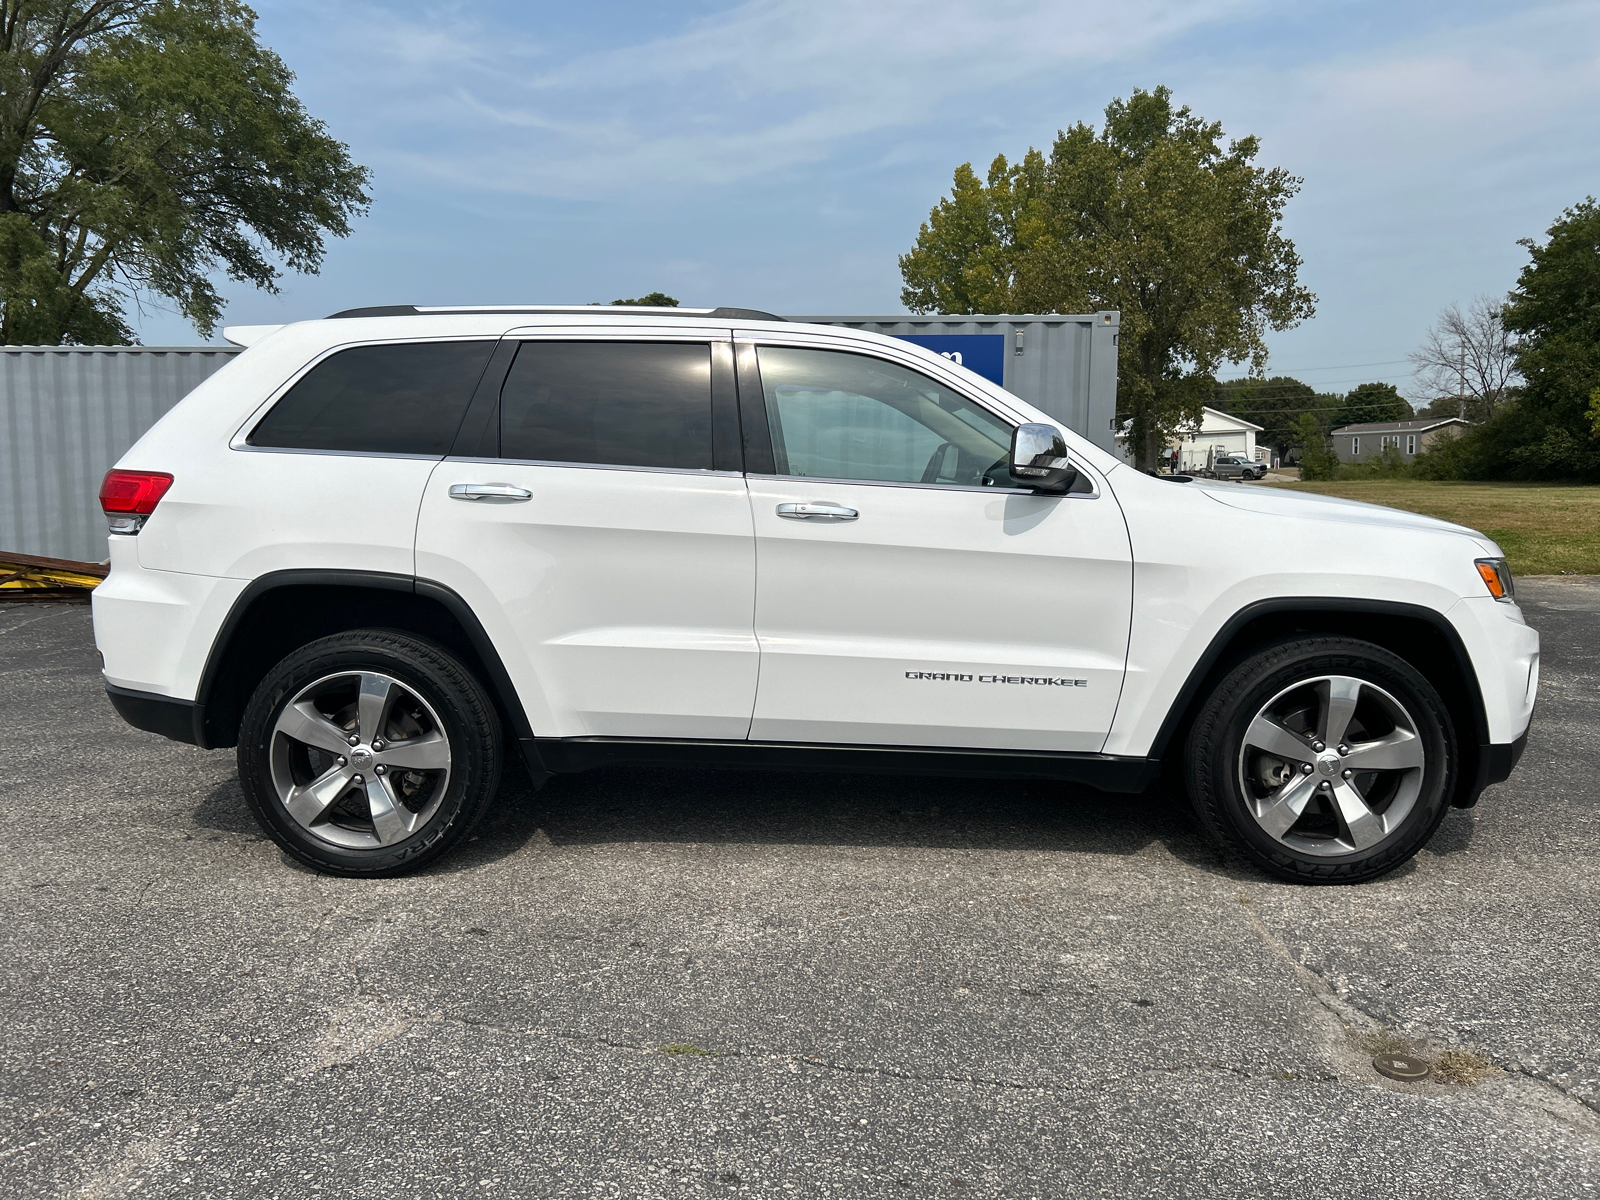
(1208, 411)
(418, 310)
(1416, 425)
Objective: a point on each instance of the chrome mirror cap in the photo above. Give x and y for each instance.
(1039, 459)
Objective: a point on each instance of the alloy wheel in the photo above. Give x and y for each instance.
(1331, 765)
(360, 760)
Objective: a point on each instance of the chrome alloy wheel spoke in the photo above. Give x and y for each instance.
(430, 752)
(1339, 695)
(1399, 751)
(1366, 827)
(390, 819)
(377, 694)
(304, 723)
(1266, 734)
(1279, 811)
(307, 803)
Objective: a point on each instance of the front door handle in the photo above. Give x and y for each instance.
(804, 512)
(489, 491)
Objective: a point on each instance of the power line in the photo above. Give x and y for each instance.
(1388, 362)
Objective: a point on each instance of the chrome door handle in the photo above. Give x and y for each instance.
(802, 512)
(488, 491)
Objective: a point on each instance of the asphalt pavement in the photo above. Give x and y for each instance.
(651, 983)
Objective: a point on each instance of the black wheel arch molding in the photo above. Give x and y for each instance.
(1483, 762)
(209, 720)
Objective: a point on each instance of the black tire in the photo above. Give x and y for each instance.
(1227, 791)
(450, 697)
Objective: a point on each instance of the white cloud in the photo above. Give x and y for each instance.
(767, 86)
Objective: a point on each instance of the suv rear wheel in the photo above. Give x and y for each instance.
(369, 753)
(1322, 760)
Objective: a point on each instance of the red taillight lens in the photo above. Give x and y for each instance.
(134, 492)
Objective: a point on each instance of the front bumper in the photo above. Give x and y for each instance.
(1496, 761)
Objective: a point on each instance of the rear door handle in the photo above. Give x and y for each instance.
(489, 491)
(804, 512)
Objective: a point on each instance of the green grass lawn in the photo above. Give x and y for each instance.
(1544, 529)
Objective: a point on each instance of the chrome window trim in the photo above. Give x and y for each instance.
(246, 448)
(952, 487)
(538, 462)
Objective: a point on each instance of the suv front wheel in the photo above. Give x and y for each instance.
(1322, 760)
(369, 753)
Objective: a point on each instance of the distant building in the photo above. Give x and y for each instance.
(1218, 434)
(1363, 443)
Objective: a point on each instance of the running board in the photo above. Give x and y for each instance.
(1108, 772)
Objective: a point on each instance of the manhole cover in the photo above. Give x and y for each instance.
(1402, 1066)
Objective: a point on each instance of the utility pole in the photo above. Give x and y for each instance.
(1461, 380)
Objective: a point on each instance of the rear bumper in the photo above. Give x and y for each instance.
(180, 720)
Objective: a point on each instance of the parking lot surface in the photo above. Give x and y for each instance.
(676, 983)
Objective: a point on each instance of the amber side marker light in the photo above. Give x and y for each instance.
(1496, 577)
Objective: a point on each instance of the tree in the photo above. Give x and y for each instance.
(1151, 216)
(1275, 404)
(144, 146)
(1466, 366)
(1555, 310)
(652, 300)
(1316, 460)
(1372, 402)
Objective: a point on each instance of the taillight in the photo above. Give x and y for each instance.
(129, 497)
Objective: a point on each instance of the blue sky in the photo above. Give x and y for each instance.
(780, 154)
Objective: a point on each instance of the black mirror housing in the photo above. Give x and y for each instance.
(1039, 459)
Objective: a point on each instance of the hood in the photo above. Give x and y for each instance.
(1280, 502)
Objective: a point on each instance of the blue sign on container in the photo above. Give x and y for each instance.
(984, 353)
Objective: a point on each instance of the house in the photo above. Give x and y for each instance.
(1363, 443)
(1218, 434)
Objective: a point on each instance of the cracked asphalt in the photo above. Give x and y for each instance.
(677, 983)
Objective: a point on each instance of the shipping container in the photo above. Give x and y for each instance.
(67, 413)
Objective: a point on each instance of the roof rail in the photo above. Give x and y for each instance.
(412, 310)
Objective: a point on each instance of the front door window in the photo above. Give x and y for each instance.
(851, 417)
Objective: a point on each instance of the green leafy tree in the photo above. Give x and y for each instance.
(1317, 461)
(1372, 402)
(1555, 310)
(145, 146)
(652, 300)
(1275, 404)
(1152, 216)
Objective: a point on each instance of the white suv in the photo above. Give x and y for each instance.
(374, 550)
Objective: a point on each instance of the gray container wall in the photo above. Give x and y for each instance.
(67, 413)
(1065, 365)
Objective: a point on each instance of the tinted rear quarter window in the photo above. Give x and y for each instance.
(626, 404)
(397, 399)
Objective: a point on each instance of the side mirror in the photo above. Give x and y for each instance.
(1039, 459)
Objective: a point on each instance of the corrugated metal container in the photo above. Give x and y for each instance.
(66, 414)
(1065, 365)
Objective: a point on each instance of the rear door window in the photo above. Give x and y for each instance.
(623, 404)
(407, 398)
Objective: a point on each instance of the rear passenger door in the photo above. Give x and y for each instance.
(595, 517)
